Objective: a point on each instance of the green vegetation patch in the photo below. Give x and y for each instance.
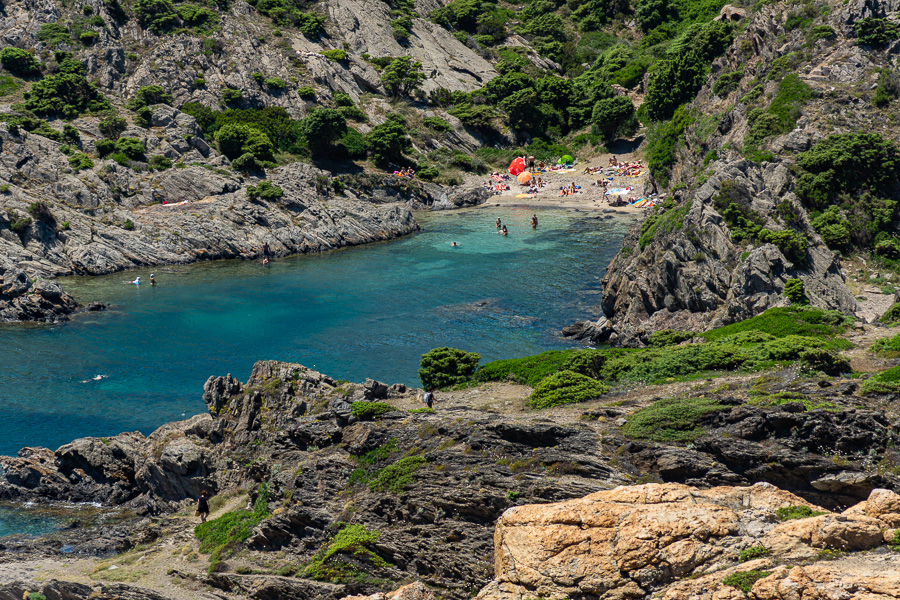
(790, 513)
(66, 94)
(445, 367)
(370, 410)
(221, 536)
(565, 387)
(744, 580)
(671, 420)
(781, 322)
(892, 315)
(529, 370)
(752, 553)
(887, 345)
(354, 540)
(397, 476)
(886, 382)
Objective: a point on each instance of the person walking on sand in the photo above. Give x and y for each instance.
(534, 221)
(203, 506)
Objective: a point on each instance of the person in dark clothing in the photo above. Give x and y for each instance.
(203, 506)
(265, 249)
(429, 398)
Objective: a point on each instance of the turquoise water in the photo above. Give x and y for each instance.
(363, 312)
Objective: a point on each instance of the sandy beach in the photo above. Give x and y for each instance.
(590, 197)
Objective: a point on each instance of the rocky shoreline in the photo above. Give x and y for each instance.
(432, 485)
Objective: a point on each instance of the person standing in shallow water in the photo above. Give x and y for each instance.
(503, 231)
(203, 506)
(266, 251)
(534, 221)
(498, 222)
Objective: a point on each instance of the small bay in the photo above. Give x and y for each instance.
(369, 311)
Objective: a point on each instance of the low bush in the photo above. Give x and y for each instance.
(353, 540)
(336, 55)
(671, 420)
(79, 162)
(886, 382)
(744, 580)
(752, 553)
(222, 535)
(105, 147)
(397, 476)
(892, 315)
(66, 94)
(795, 292)
(19, 62)
(669, 337)
(445, 367)
(790, 513)
(528, 370)
(159, 162)
(149, 95)
(231, 96)
(368, 411)
(306, 92)
(437, 124)
(876, 32)
(565, 387)
(274, 83)
(264, 191)
(133, 148)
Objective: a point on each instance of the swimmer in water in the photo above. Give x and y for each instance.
(135, 282)
(503, 231)
(534, 221)
(152, 281)
(498, 222)
(454, 244)
(265, 262)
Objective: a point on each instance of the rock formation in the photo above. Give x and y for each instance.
(631, 542)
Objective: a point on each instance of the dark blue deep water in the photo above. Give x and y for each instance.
(363, 312)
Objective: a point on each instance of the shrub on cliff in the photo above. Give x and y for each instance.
(795, 292)
(528, 370)
(387, 142)
(221, 536)
(157, 16)
(367, 411)
(149, 95)
(614, 117)
(401, 76)
(744, 580)
(322, 127)
(445, 367)
(133, 148)
(19, 62)
(352, 540)
(876, 32)
(671, 420)
(264, 191)
(565, 387)
(237, 139)
(674, 82)
(892, 315)
(66, 94)
(886, 382)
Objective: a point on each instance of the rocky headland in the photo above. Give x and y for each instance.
(353, 489)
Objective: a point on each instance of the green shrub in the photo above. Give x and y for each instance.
(306, 92)
(17, 223)
(336, 55)
(35, 596)
(19, 62)
(727, 82)
(876, 32)
(199, 82)
(437, 124)
(671, 420)
(157, 16)
(54, 34)
(833, 227)
(264, 191)
(353, 540)
(370, 410)
(112, 126)
(237, 139)
(121, 159)
(789, 513)
(353, 143)
(894, 544)
(105, 147)
(222, 535)
(795, 292)
(231, 96)
(397, 476)
(614, 117)
(674, 82)
(669, 337)
(787, 321)
(585, 362)
(128, 225)
(322, 127)
(79, 162)
(149, 95)
(429, 173)
(275, 83)
(886, 382)
(752, 553)
(445, 367)
(133, 148)
(388, 141)
(401, 76)
(663, 141)
(565, 387)
(891, 315)
(744, 580)
(66, 94)
(159, 162)
(815, 360)
(88, 37)
(528, 370)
